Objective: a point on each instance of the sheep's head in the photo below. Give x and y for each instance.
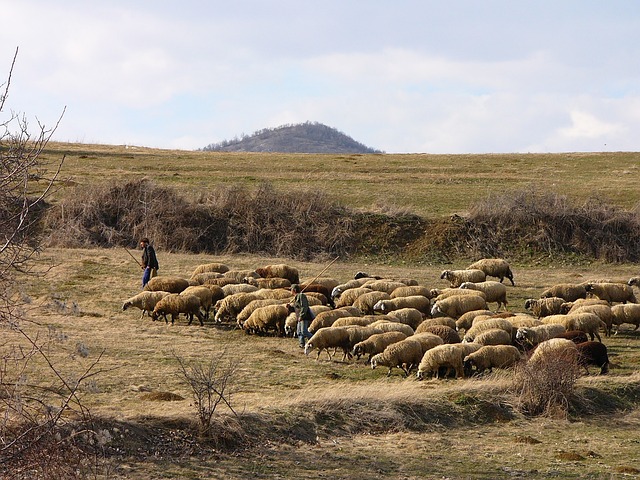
(374, 361)
(308, 347)
(336, 292)
(436, 311)
(357, 351)
(466, 285)
(467, 365)
(589, 287)
(360, 275)
(379, 306)
(522, 333)
(528, 303)
(126, 305)
(565, 307)
(634, 281)
(445, 274)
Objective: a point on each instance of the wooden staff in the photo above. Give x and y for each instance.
(316, 277)
(133, 257)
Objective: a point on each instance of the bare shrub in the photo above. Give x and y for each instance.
(211, 382)
(547, 387)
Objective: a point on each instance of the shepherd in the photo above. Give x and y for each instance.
(149, 261)
(304, 316)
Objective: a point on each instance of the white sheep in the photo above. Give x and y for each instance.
(466, 320)
(441, 294)
(175, 304)
(229, 307)
(446, 333)
(234, 288)
(273, 282)
(409, 316)
(458, 305)
(386, 286)
(291, 323)
(543, 307)
(366, 301)
(458, 277)
(269, 317)
(326, 319)
(430, 322)
(570, 292)
(555, 349)
(531, 336)
(418, 302)
(165, 283)
(602, 311)
(204, 294)
(493, 291)
(480, 327)
(405, 354)
(214, 267)
(239, 275)
(338, 290)
(376, 343)
(494, 267)
(387, 326)
(626, 313)
(612, 292)
(361, 321)
(253, 305)
(348, 297)
(489, 357)
(326, 338)
(449, 356)
(410, 290)
(201, 278)
(427, 340)
(493, 336)
(145, 301)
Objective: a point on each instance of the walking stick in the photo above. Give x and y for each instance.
(317, 276)
(132, 256)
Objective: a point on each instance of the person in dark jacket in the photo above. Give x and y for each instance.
(149, 261)
(304, 315)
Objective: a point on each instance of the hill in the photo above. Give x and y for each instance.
(308, 137)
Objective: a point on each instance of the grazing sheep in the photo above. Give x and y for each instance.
(602, 311)
(229, 307)
(366, 301)
(544, 306)
(175, 304)
(634, 281)
(569, 291)
(531, 336)
(318, 296)
(348, 297)
(376, 343)
(234, 288)
(587, 322)
(493, 336)
(494, 267)
(576, 336)
(554, 349)
(343, 287)
(269, 317)
(204, 294)
(612, 292)
(279, 270)
(458, 305)
(327, 282)
(326, 319)
(458, 277)
(272, 282)
(430, 322)
(446, 333)
(386, 286)
(405, 354)
(145, 301)
(593, 353)
(386, 326)
(626, 313)
(216, 292)
(466, 320)
(493, 291)
(490, 356)
(445, 356)
(409, 316)
(220, 281)
(480, 327)
(253, 305)
(326, 338)
(277, 293)
(291, 323)
(200, 278)
(210, 268)
(524, 320)
(581, 302)
(441, 294)
(361, 321)
(166, 284)
(410, 290)
(418, 302)
(239, 275)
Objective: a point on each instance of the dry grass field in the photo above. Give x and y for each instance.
(301, 418)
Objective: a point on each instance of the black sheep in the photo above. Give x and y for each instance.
(593, 353)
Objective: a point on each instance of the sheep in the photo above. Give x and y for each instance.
(430, 322)
(490, 356)
(166, 284)
(458, 277)
(466, 320)
(291, 323)
(446, 333)
(361, 321)
(629, 313)
(175, 304)
(593, 353)
(326, 338)
(145, 301)
(365, 302)
(493, 291)
(576, 336)
(326, 319)
(338, 290)
(386, 286)
(581, 302)
(216, 292)
(441, 294)
(200, 278)
(405, 354)
(229, 307)
(493, 336)
(544, 306)
(220, 282)
(428, 340)
(410, 316)
(456, 306)
(318, 296)
(386, 326)
(266, 318)
(253, 305)
(279, 270)
(277, 293)
(204, 294)
(239, 275)
(602, 311)
(272, 282)
(554, 349)
(349, 296)
(376, 343)
(447, 355)
(587, 322)
(410, 290)
(570, 292)
(494, 267)
(634, 281)
(523, 320)
(210, 268)
(531, 336)
(478, 328)
(238, 288)
(612, 292)
(418, 302)
(327, 282)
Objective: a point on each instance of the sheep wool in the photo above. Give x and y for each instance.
(493, 291)
(449, 356)
(409, 316)
(145, 301)
(570, 292)
(326, 319)
(376, 343)
(175, 304)
(405, 354)
(458, 277)
(167, 284)
(458, 305)
(210, 268)
(489, 357)
(446, 333)
(494, 267)
(612, 292)
(326, 338)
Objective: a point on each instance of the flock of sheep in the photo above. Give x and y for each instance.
(398, 323)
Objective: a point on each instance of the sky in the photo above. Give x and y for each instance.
(403, 76)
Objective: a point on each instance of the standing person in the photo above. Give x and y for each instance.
(149, 261)
(304, 315)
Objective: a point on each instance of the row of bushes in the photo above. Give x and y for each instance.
(308, 225)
